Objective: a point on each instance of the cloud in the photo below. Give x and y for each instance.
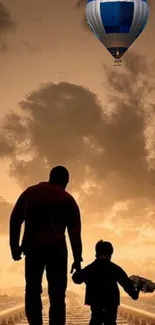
(6, 23)
(142, 268)
(81, 3)
(107, 149)
(30, 47)
(4, 48)
(81, 6)
(5, 210)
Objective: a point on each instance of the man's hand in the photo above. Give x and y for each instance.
(16, 255)
(76, 266)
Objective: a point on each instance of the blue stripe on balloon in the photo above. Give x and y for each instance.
(117, 16)
(90, 1)
(119, 50)
(144, 1)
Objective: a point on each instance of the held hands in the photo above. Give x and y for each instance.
(75, 266)
(16, 255)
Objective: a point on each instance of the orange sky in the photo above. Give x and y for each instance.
(51, 45)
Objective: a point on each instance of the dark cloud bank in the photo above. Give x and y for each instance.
(5, 209)
(65, 124)
(6, 25)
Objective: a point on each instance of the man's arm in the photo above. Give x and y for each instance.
(127, 284)
(16, 220)
(74, 232)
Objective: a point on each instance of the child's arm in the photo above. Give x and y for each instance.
(127, 284)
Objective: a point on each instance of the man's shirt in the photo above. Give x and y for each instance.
(47, 211)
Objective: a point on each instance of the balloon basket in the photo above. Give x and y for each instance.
(118, 63)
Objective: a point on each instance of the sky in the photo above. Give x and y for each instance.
(63, 102)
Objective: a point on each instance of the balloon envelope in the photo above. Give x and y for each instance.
(117, 23)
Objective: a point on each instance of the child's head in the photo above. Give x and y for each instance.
(104, 249)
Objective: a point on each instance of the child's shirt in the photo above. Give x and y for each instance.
(101, 278)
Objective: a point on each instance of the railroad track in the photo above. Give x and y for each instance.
(78, 314)
(78, 318)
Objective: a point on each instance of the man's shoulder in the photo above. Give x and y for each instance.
(70, 199)
(30, 189)
(50, 189)
(69, 196)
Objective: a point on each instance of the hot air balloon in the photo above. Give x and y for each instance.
(117, 23)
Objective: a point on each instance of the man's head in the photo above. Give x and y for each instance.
(104, 249)
(59, 175)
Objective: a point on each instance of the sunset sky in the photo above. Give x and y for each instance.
(63, 102)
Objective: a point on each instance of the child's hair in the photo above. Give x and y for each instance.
(104, 248)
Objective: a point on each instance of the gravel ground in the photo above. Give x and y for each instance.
(146, 304)
(7, 302)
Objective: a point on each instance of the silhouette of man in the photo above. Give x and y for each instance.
(102, 292)
(47, 210)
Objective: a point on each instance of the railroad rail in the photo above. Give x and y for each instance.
(15, 314)
(77, 314)
(136, 316)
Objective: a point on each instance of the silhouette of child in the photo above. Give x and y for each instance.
(102, 292)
